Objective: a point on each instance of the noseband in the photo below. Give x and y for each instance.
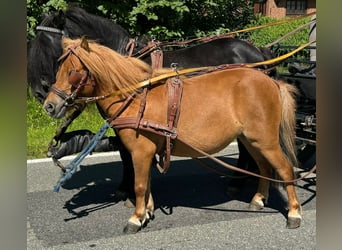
(76, 79)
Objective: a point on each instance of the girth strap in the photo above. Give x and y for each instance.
(146, 125)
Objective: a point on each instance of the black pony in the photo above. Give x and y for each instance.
(75, 22)
(46, 47)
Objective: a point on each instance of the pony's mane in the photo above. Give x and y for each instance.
(80, 22)
(108, 66)
(77, 22)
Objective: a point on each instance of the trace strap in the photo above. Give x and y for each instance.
(71, 168)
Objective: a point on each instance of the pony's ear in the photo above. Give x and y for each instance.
(61, 16)
(84, 44)
(59, 19)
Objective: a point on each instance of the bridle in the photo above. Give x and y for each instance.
(76, 79)
(51, 30)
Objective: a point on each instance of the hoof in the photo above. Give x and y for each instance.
(255, 206)
(130, 203)
(150, 216)
(131, 228)
(293, 222)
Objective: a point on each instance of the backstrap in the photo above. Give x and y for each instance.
(157, 58)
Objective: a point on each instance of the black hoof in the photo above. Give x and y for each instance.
(131, 228)
(150, 216)
(293, 222)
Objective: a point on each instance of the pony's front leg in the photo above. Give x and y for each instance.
(148, 213)
(142, 152)
(144, 203)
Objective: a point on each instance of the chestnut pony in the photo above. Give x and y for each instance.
(215, 108)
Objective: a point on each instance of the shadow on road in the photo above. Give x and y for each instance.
(186, 184)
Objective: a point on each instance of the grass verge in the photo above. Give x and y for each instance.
(41, 128)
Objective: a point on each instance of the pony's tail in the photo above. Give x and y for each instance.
(288, 122)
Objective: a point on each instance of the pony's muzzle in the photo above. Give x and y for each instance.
(50, 108)
(55, 110)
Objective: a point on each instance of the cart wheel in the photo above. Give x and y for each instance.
(307, 156)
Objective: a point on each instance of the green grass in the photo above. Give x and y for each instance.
(41, 128)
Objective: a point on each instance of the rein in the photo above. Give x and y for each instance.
(231, 167)
(154, 45)
(272, 24)
(290, 34)
(156, 128)
(155, 80)
(60, 131)
(72, 166)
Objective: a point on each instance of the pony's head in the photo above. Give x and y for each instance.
(74, 22)
(43, 54)
(73, 79)
(90, 69)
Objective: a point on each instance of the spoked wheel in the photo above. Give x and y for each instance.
(306, 154)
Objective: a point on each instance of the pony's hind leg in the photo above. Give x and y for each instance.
(286, 173)
(274, 157)
(261, 196)
(269, 155)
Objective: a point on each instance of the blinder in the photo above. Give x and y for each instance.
(76, 79)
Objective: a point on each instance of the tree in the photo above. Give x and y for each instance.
(167, 19)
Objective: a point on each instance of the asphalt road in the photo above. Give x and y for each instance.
(193, 210)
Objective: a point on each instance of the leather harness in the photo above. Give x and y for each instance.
(175, 87)
(169, 130)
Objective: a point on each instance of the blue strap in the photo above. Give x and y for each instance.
(72, 166)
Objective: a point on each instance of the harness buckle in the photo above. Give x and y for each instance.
(170, 133)
(174, 67)
(69, 101)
